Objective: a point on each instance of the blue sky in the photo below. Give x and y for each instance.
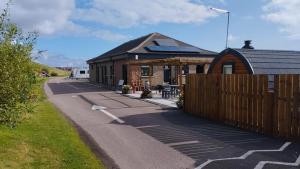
(75, 30)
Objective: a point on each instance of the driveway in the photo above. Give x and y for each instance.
(137, 134)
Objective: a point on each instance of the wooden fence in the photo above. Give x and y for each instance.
(246, 101)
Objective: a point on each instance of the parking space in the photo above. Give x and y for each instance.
(213, 145)
(209, 144)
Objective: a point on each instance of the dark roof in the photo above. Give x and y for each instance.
(141, 46)
(270, 61)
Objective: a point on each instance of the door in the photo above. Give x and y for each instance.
(124, 73)
(167, 74)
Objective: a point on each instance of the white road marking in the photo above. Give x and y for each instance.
(261, 164)
(112, 116)
(96, 107)
(244, 156)
(183, 143)
(149, 126)
(102, 109)
(74, 96)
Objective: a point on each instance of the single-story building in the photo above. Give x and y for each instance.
(248, 60)
(114, 65)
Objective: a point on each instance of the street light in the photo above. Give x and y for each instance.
(228, 16)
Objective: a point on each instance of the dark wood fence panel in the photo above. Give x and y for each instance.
(286, 112)
(246, 102)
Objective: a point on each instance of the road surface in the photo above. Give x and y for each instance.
(140, 135)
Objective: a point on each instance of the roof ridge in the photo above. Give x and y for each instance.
(188, 44)
(123, 44)
(141, 44)
(281, 50)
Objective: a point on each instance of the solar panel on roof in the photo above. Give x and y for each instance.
(165, 42)
(173, 49)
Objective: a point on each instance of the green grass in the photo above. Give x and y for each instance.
(61, 73)
(44, 140)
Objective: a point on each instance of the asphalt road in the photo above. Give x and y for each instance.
(140, 135)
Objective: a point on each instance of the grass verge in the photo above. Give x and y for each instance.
(44, 140)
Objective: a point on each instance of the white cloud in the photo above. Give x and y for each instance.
(125, 14)
(60, 17)
(51, 59)
(81, 31)
(286, 13)
(53, 18)
(46, 17)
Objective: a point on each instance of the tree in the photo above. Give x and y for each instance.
(17, 74)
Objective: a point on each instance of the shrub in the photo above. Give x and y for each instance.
(17, 75)
(180, 101)
(54, 74)
(147, 93)
(125, 89)
(45, 70)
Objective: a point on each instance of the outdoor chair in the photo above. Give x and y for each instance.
(120, 84)
(166, 92)
(174, 91)
(159, 88)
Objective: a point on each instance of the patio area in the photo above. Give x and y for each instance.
(156, 98)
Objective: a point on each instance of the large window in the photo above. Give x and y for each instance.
(227, 69)
(145, 71)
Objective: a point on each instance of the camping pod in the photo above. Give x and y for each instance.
(248, 60)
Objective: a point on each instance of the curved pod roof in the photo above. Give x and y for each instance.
(265, 61)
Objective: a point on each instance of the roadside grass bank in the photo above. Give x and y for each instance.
(60, 73)
(45, 139)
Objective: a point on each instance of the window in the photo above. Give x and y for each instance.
(82, 72)
(227, 69)
(200, 69)
(145, 71)
(185, 69)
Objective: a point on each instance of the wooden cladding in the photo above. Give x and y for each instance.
(245, 101)
(239, 66)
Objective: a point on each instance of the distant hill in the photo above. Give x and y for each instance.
(40, 67)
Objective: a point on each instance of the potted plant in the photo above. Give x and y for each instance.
(147, 93)
(180, 101)
(126, 89)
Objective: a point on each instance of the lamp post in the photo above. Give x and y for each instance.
(228, 17)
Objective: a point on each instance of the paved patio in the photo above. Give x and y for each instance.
(156, 98)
